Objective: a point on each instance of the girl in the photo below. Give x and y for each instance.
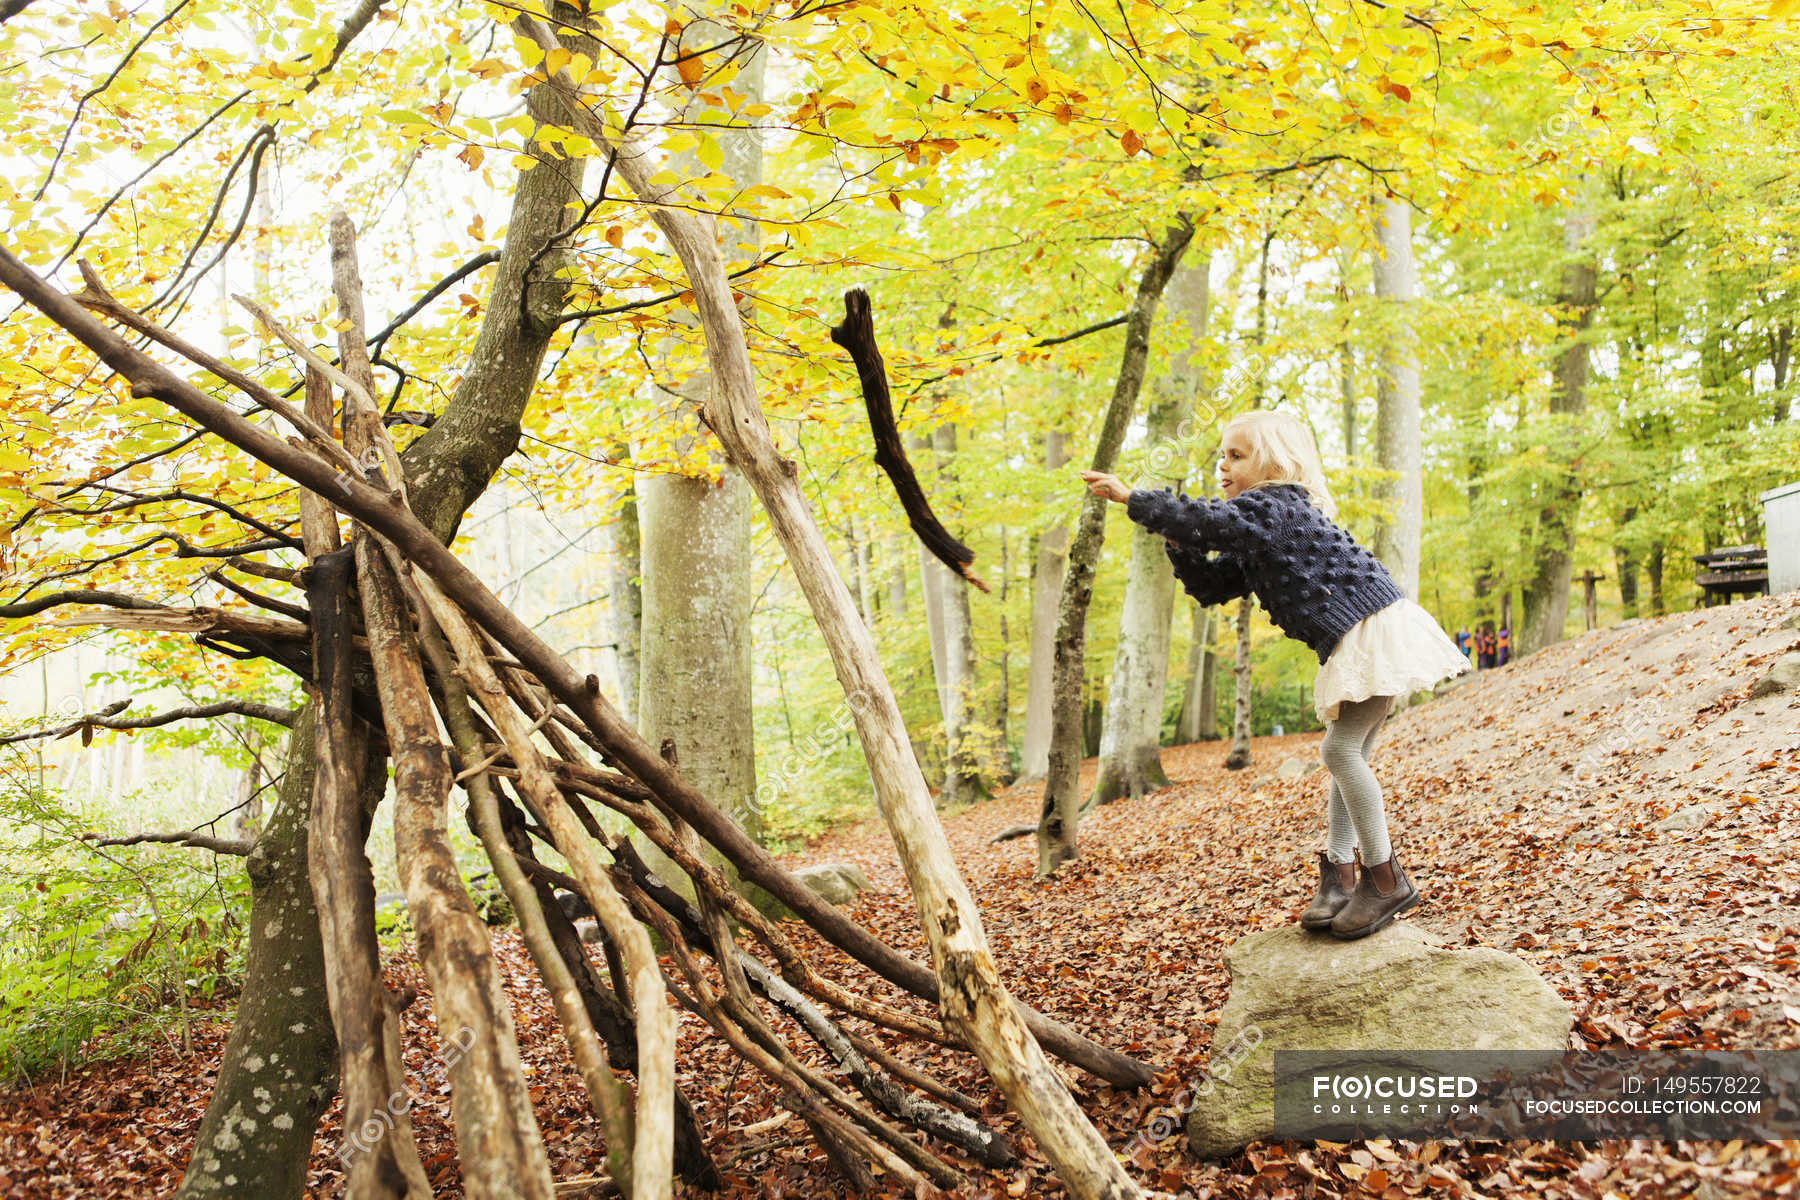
(1273, 535)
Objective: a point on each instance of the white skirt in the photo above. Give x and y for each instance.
(1395, 652)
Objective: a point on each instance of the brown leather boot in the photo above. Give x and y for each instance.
(1335, 883)
(1370, 908)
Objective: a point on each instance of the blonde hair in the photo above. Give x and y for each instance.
(1282, 450)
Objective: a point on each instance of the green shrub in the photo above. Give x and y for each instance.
(100, 946)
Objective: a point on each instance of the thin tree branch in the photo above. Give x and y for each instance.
(30, 608)
(108, 718)
(199, 841)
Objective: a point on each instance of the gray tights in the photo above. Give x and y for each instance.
(1354, 810)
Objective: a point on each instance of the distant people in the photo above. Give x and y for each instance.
(1464, 640)
(1486, 648)
(1503, 646)
(1273, 534)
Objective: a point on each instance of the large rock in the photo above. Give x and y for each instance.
(836, 883)
(1399, 989)
(1784, 676)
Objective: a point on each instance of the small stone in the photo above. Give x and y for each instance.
(1685, 818)
(1784, 676)
(835, 883)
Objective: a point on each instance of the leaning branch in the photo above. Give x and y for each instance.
(31, 608)
(180, 837)
(108, 718)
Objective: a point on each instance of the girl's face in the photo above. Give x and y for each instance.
(1234, 464)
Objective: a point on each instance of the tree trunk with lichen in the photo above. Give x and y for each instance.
(1131, 735)
(1060, 811)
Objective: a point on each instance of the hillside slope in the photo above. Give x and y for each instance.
(1531, 805)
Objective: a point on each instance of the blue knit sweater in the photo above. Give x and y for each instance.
(1310, 574)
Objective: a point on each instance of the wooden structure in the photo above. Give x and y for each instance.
(1731, 571)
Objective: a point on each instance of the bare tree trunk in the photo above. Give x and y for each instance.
(1397, 440)
(1199, 718)
(1546, 592)
(1239, 755)
(1346, 365)
(859, 556)
(962, 772)
(627, 597)
(931, 591)
(1002, 766)
(696, 671)
(1060, 812)
(1625, 563)
(1781, 357)
(695, 677)
(896, 585)
(1243, 698)
(280, 1068)
(1653, 569)
(1131, 733)
(1046, 590)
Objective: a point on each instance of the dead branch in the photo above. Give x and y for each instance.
(856, 333)
(711, 936)
(199, 620)
(608, 1015)
(295, 612)
(240, 847)
(502, 1149)
(30, 608)
(344, 887)
(98, 298)
(108, 718)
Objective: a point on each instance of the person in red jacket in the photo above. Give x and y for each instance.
(1273, 534)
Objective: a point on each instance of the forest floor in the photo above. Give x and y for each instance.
(1525, 803)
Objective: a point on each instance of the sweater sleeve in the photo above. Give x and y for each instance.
(1233, 524)
(1208, 580)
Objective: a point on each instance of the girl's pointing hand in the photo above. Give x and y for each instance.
(1107, 486)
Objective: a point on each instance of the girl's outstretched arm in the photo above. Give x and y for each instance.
(1213, 524)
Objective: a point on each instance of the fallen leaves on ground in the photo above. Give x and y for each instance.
(1525, 804)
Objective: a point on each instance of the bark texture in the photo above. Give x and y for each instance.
(1398, 447)
(1131, 729)
(1546, 590)
(1060, 812)
(279, 1072)
(1046, 591)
